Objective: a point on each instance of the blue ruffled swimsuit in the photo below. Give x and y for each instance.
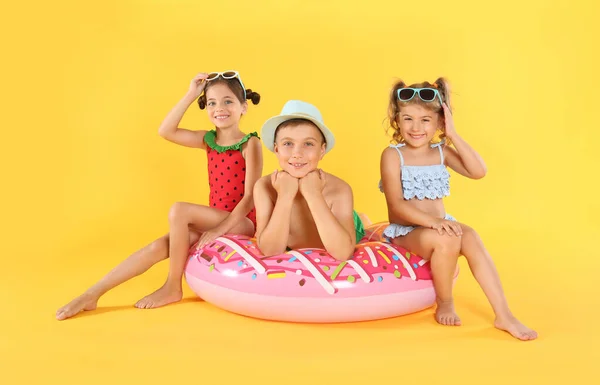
(421, 182)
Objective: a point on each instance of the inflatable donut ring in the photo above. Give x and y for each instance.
(381, 280)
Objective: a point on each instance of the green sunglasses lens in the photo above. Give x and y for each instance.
(427, 94)
(406, 94)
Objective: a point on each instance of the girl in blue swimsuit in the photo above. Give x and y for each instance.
(415, 179)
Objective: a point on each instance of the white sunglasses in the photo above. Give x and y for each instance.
(227, 75)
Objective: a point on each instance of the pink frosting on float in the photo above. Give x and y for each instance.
(376, 267)
(232, 270)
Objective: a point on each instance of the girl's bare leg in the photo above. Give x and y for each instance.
(483, 269)
(136, 264)
(181, 217)
(443, 252)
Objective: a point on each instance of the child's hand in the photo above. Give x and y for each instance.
(197, 84)
(449, 129)
(311, 183)
(444, 225)
(284, 183)
(209, 236)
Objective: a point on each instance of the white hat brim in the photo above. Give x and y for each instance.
(268, 130)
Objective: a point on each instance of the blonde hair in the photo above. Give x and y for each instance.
(443, 87)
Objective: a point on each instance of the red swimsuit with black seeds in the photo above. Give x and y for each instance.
(227, 173)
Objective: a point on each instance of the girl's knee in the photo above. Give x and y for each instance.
(160, 247)
(469, 234)
(447, 244)
(177, 211)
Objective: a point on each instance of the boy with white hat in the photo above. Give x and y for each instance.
(302, 206)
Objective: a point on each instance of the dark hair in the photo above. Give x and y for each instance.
(235, 86)
(441, 84)
(296, 122)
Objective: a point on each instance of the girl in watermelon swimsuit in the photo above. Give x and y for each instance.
(234, 165)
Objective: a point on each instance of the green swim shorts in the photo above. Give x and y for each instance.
(358, 227)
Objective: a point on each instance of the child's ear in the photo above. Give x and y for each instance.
(323, 148)
(244, 108)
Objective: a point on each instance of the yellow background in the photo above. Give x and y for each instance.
(87, 180)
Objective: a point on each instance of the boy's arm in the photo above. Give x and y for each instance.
(335, 225)
(272, 219)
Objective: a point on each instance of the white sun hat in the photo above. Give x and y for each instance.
(296, 109)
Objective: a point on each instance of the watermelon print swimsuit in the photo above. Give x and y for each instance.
(227, 173)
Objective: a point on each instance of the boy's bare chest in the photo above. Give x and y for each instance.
(302, 223)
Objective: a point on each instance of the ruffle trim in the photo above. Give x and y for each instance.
(393, 230)
(424, 182)
(211, 136)
(431, 182)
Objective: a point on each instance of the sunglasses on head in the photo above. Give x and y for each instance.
(227, 75)
(425, 94)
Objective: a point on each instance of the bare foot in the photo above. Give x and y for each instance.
(445, 314)
(516, 328)
(85, 301)
(161, 297)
